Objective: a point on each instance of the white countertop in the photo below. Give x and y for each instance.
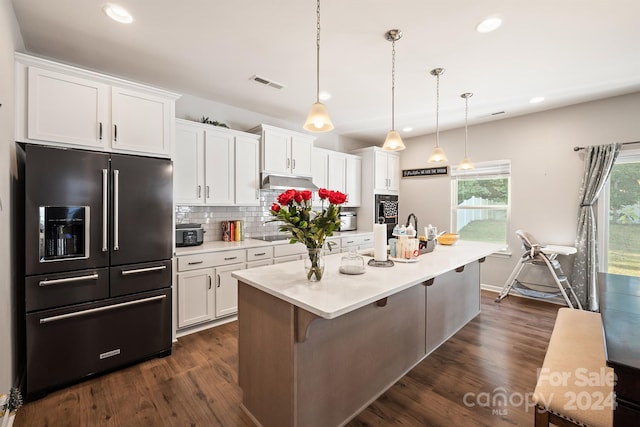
(220, 245)
(337, 294)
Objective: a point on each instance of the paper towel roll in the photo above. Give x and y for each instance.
(380, 242)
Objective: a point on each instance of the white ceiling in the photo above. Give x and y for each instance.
(568, 51)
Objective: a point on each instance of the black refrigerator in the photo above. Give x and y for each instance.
(95, 291)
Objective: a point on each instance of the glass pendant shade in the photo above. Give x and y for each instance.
(465, 164)
(393, 142)
(437, 155)
(318, 119)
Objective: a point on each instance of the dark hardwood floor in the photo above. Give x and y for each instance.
(480, 377)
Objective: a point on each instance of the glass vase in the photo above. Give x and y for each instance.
(314, 264)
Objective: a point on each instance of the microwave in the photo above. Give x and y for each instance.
(348, 221)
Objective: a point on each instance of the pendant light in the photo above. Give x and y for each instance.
(437, 155)
(466, 164)
(393, 141)
(318, 119)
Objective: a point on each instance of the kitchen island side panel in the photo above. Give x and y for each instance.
(265, 356)
(348, 362)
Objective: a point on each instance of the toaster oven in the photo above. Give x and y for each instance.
(189, 234)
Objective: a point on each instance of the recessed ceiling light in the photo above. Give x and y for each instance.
(536, 99)
(489, 24)
(117, 13)
(324, 95)
(407, 129)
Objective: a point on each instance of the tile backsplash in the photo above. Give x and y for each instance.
(211, 217)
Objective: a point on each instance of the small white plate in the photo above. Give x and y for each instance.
(407, 260)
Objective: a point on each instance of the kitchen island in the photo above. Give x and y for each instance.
(317, 353)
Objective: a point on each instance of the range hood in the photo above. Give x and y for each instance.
(281, 182)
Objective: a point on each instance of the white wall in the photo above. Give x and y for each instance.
(191, 107)
(10, 40)
(546, 172)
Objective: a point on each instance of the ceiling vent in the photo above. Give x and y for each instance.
(267, 82)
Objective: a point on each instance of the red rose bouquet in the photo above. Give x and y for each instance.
(306, 226)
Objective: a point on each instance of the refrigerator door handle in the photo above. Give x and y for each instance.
(116, 200)
(105, 208)
(49, 282)
(96, 310)
(143, 270)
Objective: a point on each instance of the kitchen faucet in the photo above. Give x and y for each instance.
(415, 222)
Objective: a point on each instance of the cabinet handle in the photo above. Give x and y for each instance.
(288, 163)
(350, 241)
(230, 258)
(199, 191)
(208, 192)
(209, 277)
(105, 208)
(143, 270)
(115, 132)
(218, 280)
(293, 166)
(116, 207)
(260, 254)
(100, 132)
(460, 269)
(366, 240)
(96, 310)
(46, 282)
(195, 262)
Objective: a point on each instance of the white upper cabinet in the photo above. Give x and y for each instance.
(141, 121)
(337, 171)
(219, 181)
(386, 171)
(214, 166)
(285, 152)
(336, 176)
(61, 105)
(188, 165)
(353, 180)
(66, 109)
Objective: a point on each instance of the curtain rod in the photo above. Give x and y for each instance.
(622, 143)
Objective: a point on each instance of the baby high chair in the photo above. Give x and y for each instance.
(535, 253)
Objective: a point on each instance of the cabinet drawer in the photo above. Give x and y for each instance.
(255, 254)
(58, 289)
(288, 249)
(210, 259)
(365, 239)
(280, 260)
(135, 278)
(66, 345)
(261, 263)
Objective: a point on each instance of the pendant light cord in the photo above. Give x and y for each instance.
(438, 110)
(466, 123)
(318, 52)
(393, 84)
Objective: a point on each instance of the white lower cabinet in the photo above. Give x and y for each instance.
(206, 290)
(195, 297)
(227, 290)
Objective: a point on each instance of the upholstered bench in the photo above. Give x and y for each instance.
(575, 387)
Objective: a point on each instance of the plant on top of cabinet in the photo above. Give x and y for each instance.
(206, 120)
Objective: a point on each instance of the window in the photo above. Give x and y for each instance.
(481, 202)
(619, 217)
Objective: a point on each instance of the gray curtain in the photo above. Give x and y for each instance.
(598, 162)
